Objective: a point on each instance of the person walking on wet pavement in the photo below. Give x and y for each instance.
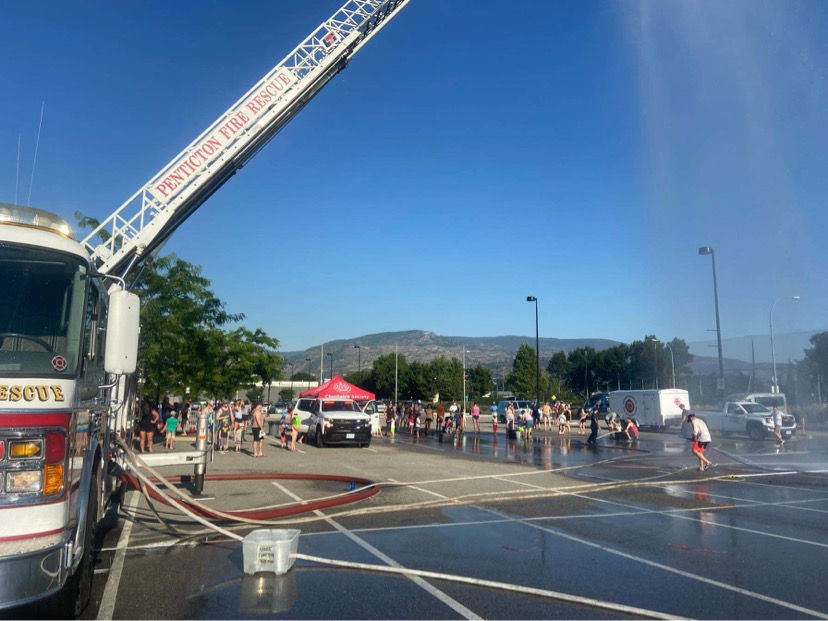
(777, 425)
(593, 427)
(701, 440)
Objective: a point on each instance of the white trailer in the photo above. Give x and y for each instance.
(650, 408)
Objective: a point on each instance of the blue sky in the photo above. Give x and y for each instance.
(473, 153)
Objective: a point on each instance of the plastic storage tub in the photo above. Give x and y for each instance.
(270, 550)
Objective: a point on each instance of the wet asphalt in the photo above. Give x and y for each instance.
(618, 525)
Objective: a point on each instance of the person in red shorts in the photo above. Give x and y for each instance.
(701, 440)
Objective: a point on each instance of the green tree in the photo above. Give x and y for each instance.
(446, 378)
(479, 381)
(523, 378)
(386, 373)
(180, 320)
(579, 374)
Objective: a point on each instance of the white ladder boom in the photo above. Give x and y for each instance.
(146, 220)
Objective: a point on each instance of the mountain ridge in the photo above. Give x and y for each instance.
(497, 352)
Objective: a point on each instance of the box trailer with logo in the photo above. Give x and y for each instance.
(650, 408)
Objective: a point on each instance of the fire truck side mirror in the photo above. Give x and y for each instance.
(122, 333)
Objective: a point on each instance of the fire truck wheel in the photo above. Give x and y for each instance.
(74, 597)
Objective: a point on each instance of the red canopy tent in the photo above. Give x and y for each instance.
(338, 387)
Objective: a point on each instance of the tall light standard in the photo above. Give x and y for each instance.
(308, 360)
(655, 363)
(359, 362)
(290, 364)
(775, 386)
(720, 384)
(330, 355)
(532, 298)
(672, 361)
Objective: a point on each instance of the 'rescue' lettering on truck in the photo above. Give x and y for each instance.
(743, 417)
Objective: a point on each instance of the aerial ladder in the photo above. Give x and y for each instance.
(140, 227)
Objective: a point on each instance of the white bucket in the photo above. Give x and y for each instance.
(270, 549)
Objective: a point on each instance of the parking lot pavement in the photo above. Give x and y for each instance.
(613, 531)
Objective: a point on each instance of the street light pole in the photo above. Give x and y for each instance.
(291, 380)
(532, 298)
(672, 361)
(330, 355)
(775, 386)
(359, 362)
(720, 384)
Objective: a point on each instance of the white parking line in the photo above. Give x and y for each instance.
(686, 574)
(108, 599)
(519, 482)
(437, 593)
(420, 489)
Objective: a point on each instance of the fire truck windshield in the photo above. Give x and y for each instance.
(42, 313)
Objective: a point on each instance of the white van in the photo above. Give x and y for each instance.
(650, 408)
(768, 399)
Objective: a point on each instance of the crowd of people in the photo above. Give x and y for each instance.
(227, 421)
(232, 421)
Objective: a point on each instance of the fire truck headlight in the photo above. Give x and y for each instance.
(25, 449)
(52, 479)
(24, 482)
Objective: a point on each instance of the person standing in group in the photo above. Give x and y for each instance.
(510, 420)
(593, 427)
(701, 440)
(224, 426)
(283, 432)
(257, 426)
(777, 425)
(186, 408)
(218, 415)
(390, 419)
(546, 414)
(246, 415)
(238, 425)
(172, 427)
(441, 417)
(583, 416)
(494, 417)
(429, 418)
(295, 426)
(475, 412)
(528, 423)
(146, 426)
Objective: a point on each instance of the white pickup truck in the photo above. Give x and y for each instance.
(753, 419)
